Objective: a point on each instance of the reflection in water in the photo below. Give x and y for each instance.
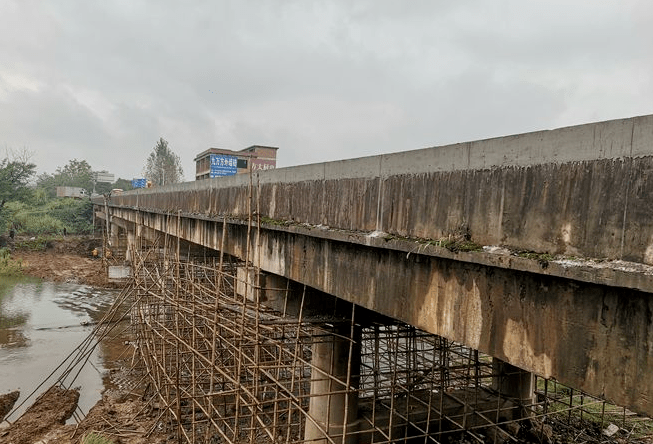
(12, 337)
(11, 315)
(40, 324)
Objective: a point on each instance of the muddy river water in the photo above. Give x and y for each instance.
(41, 323)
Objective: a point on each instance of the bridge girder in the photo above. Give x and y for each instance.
(592, 336)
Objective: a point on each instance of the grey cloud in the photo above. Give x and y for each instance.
(54, 118)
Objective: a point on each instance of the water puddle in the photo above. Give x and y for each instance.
(41, 323)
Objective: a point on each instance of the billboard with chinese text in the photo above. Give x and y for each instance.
(223, 165)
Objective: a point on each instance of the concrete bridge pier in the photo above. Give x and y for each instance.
(114, 237)
(131, 245)
(514, 383)
(335, 352)
(335, 359)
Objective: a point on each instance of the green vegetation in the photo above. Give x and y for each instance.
(15, 174)
(96, 438)
(77, 173)
(49, 218)
(270, 221)
(542, 258)
(9, 266)
(568, 405)
(23, 219)
(123, 184)
(534, 255)
(457, 245)
(458, 240)
(75, 214)
(28, 210)
(39, 243)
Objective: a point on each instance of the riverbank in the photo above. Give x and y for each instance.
(61, 259)
(123, 414)
(63, 267)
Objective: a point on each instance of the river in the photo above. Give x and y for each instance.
(41, 323)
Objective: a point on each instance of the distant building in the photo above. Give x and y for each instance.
(103, 176)
(217, 162)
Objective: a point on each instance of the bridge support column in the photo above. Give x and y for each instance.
(114, 238)
(513, 382)
(131, 245)
(333, 406)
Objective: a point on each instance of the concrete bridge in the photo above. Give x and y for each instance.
(536, 249)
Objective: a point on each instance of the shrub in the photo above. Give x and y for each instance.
(75, 214)
(42, 224)
(35, 244)
(8, 214)
(8, 266)
(30, 222)
(51, 218)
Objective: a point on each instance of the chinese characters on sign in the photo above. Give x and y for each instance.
(226, 165)
(223, 165)
(259, 164)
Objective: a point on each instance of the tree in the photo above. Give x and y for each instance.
(15, 174)
(75, 214)
(45, 183)
(77, 173)
(123, 184)
(163, 166)
(104, 188)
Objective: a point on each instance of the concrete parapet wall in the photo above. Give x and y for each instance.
(582, 191)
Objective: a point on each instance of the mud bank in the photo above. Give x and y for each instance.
(66, 259)
(121, 416)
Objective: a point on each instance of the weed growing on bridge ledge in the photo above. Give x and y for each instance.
(458, 240)
(270, 221)
(542, 258)
(390, 237)
(457, 245)
(452, 244)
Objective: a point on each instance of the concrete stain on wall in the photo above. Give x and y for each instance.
(517, 348)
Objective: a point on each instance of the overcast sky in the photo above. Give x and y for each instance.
(322, 80)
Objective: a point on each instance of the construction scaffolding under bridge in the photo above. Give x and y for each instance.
(227, 368)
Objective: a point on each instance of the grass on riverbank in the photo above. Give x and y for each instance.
(9, 266)
(39, 243)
